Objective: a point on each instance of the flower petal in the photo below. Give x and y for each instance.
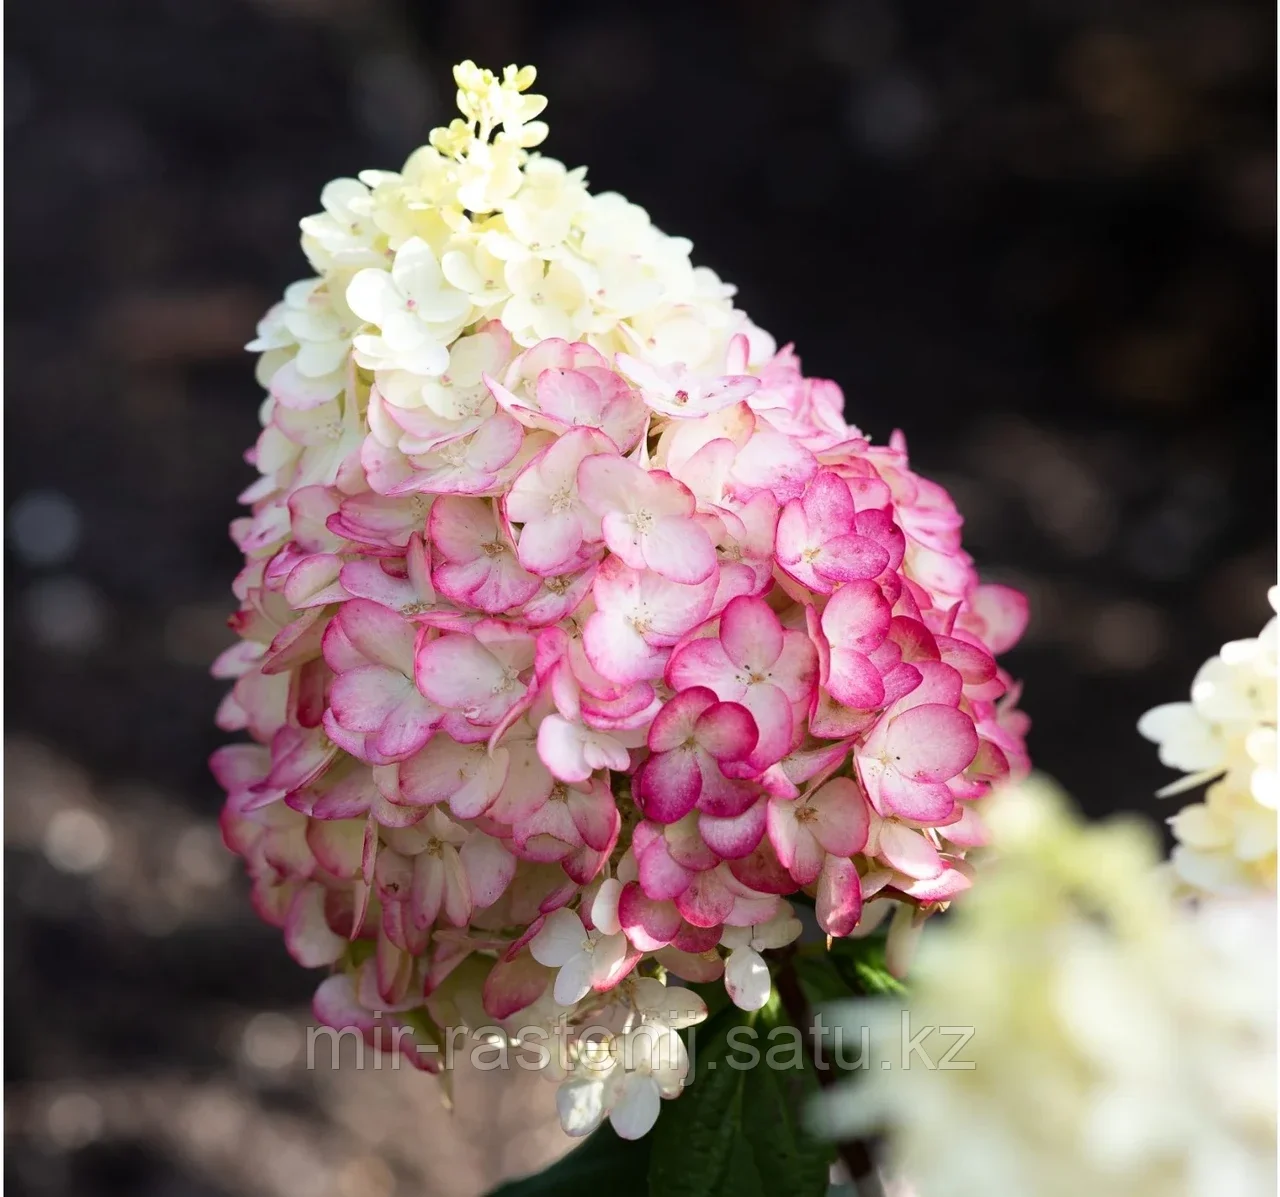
(636, 1110)
(751, 634)
(559, 940)
(668, 784)
(839, 900)
(931, 742)
(674, 725)
(843, 819)
(573, 981)
(727, 731)
(649, 924)
(857, 617)
(580, 1105)
(747, 980)
(909, 851)
(378, 633)
(489, 868)
(679, 549)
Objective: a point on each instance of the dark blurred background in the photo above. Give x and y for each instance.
(1038, 235)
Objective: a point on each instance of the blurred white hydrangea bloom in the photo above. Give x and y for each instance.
(1225, 735)
(1123, 1045)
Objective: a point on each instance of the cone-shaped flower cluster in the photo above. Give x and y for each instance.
(1226, 735)
(578, 627)
(1075, 1029)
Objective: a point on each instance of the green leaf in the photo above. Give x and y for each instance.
(821, 980)
(861, 963)
(788, 1158)
(602, 1163)
(741, 1175)
(696, 1135)
(737, 1130)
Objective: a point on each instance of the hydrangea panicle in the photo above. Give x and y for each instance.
(579, 629)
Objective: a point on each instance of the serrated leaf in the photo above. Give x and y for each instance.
(603, 1163)
(788, 1158)
(736, 1131)
(695, 1138)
